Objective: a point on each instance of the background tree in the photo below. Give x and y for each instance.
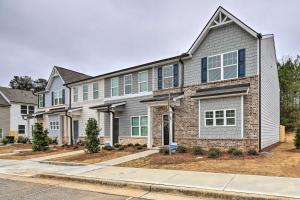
(27, 83)
(289, 79)
(40, 138)
(297, 139)
(92, 141)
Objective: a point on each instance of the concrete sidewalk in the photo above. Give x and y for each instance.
(264, 185)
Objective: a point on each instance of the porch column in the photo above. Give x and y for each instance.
(111, 127)
(242, 116)
(149, 142)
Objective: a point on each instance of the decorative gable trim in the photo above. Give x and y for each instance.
(53, 74)
(8, 101)
(220, 18)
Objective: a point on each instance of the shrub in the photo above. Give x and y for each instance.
(181, 149)
(164, 150)
(130, 145)
(231, 150)
(145, 145)
(121, 148)
(53, 140)
(40, 138)
(117, 145)
(5, 141)
(252, 152)
(23, 140)
(108, 148)
(92, 141)
(10, 139)
(297, 139)
(237, 152)
(137, 145)
(214, 153)
(197, 150)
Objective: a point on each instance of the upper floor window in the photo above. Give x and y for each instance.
(30, 109)
(75, 94)
(41, 100)
(128, 84)
(95, 90)
(85, 92)
(143, 81)
(223, 66)
(58, 97)
(168, 76)
(115, 86)
(23, 109)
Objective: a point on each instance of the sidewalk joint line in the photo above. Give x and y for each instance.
(231, 179)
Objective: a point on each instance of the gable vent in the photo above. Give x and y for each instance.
(220, 19)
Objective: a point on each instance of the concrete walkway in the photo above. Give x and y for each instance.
(43, 158)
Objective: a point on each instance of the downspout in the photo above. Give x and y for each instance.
(182, 74)
(259, 36)
(70, 117)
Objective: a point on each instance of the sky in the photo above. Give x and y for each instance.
(99, 36)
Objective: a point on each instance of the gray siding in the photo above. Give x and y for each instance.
(270, 91)
(220, 132)
(133, 107)
(135, 86)
(4, 119)
(57, 84)
(221, 40)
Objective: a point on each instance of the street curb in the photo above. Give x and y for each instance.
(63, 163)
(196, 192)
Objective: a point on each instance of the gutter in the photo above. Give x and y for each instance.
(259, 36)
(69, 116)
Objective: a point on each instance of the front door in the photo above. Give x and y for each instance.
(76, 130)
(166, 130)
(116, 131)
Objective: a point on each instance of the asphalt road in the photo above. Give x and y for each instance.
(19, 190)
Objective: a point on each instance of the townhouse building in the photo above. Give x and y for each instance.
(223, 92)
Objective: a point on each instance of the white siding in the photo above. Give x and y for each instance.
(270, 103)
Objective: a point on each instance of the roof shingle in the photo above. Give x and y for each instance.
(18, 96)
(70, 76)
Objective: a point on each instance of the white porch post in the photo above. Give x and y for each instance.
(242, 116)
(149, 142)
(111, 127)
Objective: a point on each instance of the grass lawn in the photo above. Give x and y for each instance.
(34, 154)
(282, 160)
(101, 156)
(10, 148)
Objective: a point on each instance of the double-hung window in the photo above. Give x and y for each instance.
(168, 76)
(85, 92)
(115, 86)
(58, 97)
(75, 94)
(220, 118)
(30, 109)
(23, 109)
(139, 126)
(223, 66)
(95, 90)
(143, 81)
(21, 129)
(41, 100)
(128, 84)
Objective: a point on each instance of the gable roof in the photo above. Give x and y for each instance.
(69, 76)
(17, 96)
(220, 17)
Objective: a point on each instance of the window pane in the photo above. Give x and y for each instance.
(115, 82)
(127, 89)
(143, 76)
(168, 71)
(144, 131)
(230, 113)
(230, 121)
(135, 121)
(135, 131)
(214, 74)
(31, 109)
(144, 87)
(209, 122)
(220, 113)
(115, 91)
(230, 72)
(168, 82)
(95, 90)
(209, 114)
(128, 79)
(220, 121)
(23, 109)
(214, 62)
(230, 59)
(144, 121)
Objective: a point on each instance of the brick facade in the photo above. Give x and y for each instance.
(186, 119)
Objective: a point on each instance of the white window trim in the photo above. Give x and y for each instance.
(127, 84)
(73, 94)
(139, 126)
(23, 109)
(96, 83)
(214, 118)
(163, 82)
(111, 86)
(85, 92)
(57, 94)
(222, 67)
(139, 82)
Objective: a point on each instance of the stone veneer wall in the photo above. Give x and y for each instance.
(186, 118)
(126, 140)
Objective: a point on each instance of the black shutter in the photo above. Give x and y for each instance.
(43, 100)
(204, 70)
(63, 96)
(52, 97)
(159, 78)
(242, 62)
(38, 100)
(175, 75)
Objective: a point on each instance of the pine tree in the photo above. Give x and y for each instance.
(297, 139)
(92, 141)
(40, 138)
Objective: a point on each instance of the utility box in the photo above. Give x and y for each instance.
(282, 134)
